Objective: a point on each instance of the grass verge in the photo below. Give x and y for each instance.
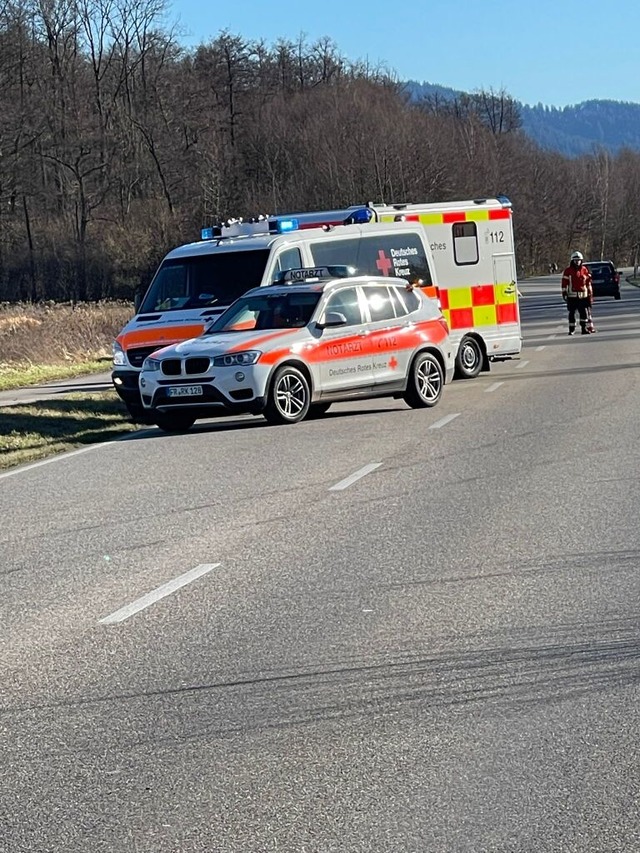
(38, 430)
(18, 376)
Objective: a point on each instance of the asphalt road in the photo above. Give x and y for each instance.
(441, 655)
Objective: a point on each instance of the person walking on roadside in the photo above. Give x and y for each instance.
(577, 292)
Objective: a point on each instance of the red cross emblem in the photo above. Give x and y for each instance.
(393, 362)
(384, 263)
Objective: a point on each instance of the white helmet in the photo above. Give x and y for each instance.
(577, 256)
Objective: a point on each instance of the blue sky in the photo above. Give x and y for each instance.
(557, 52)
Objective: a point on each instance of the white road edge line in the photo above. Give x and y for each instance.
(493, 387)
(353, 478)
(521, 364)
(161, 592)
(444, 421)
(539, 349)
(57, 458)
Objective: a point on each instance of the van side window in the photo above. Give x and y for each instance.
(345, 302)
(401, 255)
(290, 259)
(379, 302)
(465, 243)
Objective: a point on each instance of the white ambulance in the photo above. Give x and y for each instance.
(473, 250)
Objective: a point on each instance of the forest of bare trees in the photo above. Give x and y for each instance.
(117, 143)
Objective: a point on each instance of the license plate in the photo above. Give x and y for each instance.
(185, 391)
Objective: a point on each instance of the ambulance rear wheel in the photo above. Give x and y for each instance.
(468, 359)
(425, 383)
(289, 397)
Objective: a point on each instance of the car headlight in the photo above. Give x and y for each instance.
(119, 358)
(151, 364)
(234, 359)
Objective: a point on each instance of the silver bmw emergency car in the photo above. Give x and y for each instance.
(289, 350)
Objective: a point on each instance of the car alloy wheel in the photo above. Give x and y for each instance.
(289, 397)
(425, 383)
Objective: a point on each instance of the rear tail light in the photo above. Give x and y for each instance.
(444, 324)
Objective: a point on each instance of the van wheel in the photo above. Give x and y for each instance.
(289, 397)
(317, 410)
(173, 421)
(616, 295)
(425, 382)
(468, 359)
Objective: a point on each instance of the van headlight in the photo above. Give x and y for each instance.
(235, 359)
(119, 358)
(152, 365)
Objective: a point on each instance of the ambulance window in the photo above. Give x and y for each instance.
(401, 254)
(465, 243)
(290, 259)
(345, 302)
(379, 302)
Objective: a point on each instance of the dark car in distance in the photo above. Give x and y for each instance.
(606, 278)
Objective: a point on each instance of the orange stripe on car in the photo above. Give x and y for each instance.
(356, 346)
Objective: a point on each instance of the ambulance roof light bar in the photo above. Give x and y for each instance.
(285, 224)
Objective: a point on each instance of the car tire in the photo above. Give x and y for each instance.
(173, 421)
(617, 295)
(425, 382)
(288, 398)
(469, 358)
(317, 410)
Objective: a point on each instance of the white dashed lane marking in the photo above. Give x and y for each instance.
(161, 592)
(353, 478)
(444, 421)
(493, 387)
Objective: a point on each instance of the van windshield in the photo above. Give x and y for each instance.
(202, 280)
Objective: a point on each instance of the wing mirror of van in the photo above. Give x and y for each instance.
(332, 318)
(137, 300)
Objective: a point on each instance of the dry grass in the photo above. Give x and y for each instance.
(53, 341)
(38, 430)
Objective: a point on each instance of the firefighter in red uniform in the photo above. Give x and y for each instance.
(577, 292)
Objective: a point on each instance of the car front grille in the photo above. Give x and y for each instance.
(188, 367)
(196, 365)
(171, 366)
(137, 355)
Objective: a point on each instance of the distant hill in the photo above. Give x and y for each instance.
(572, 130)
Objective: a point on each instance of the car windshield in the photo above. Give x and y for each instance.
(602, 270)
(267, 311)
(203, 280)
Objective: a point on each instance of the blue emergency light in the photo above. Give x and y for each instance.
(359, 217)
(206, 234)
(284, 226)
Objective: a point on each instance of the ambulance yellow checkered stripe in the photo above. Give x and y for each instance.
(480, 305)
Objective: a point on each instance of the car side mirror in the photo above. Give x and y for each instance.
(137, 300)
(332, 318)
